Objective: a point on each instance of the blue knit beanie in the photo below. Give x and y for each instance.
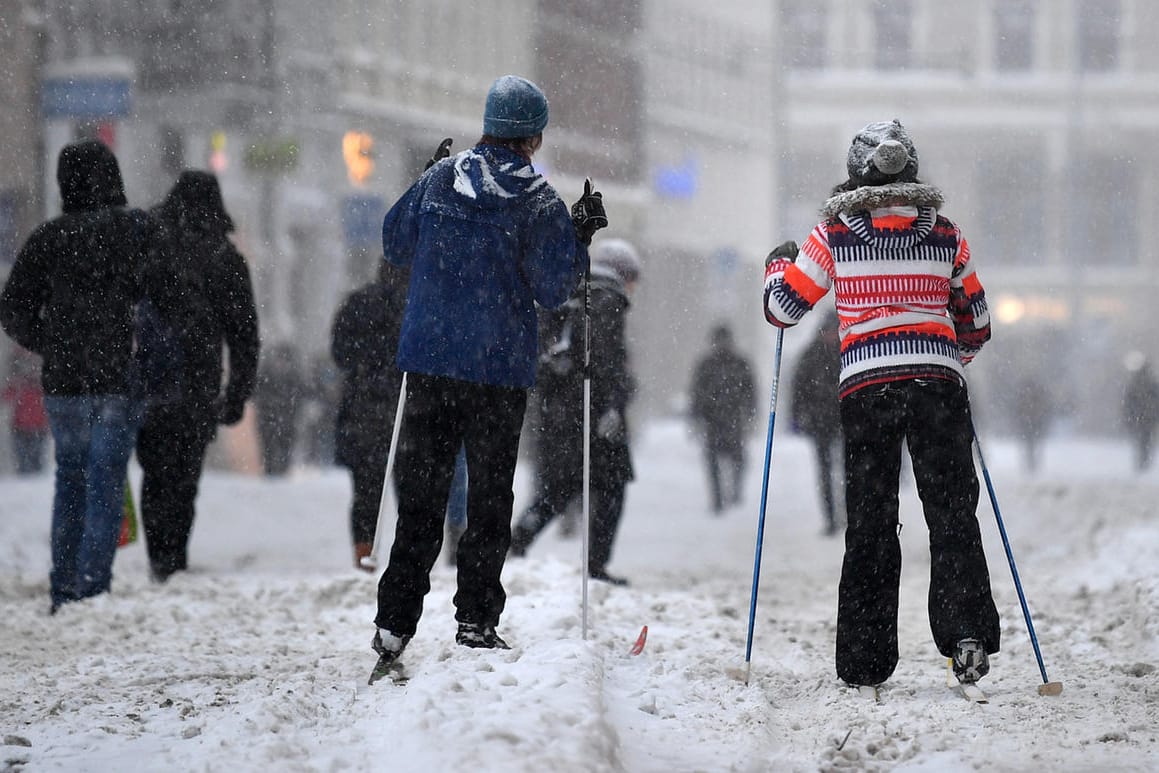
(516, 108)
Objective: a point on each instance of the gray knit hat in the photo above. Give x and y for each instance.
(882, 153)
(617, 256)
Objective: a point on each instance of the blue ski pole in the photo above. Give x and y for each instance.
(1047, 687)
(764, 500)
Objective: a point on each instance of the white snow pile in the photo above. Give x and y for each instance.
(257, 658)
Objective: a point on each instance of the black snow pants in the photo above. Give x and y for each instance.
(440, 415)
(171, 450)
(933, 418)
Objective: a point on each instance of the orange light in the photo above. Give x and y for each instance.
(357, 151)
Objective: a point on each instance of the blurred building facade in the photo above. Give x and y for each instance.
(1039, 119)
(714, 130)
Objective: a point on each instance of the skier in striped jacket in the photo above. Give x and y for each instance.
(912, 313)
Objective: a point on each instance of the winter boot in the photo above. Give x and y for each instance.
(361, 551)
(603, 576)
(480, 637)
(389, 647)
(970, 661)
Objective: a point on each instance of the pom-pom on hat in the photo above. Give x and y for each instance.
(515, 108)
(882, 153)
(617, 256)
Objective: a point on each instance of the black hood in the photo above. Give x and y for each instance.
(89, 177)
(195, 201)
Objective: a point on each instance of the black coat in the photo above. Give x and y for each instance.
(210, 297)
(815, 408)
(723, 396)
(73, 290)
(364, 345)
(560, 378)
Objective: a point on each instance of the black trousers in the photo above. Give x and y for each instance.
(558, 490)
(933, 418)
(724, 455)
(171, 451)
(367, 480)
(440, 415)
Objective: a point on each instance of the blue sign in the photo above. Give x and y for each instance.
(362, 220)
(85, 96)
(677, 182)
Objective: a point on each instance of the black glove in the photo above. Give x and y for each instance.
(229, 411)
(783, 250)
(587, 214)
(443, 151)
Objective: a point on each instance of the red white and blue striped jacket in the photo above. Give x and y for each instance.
(909, 302)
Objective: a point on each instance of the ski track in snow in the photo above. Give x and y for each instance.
(257, 659)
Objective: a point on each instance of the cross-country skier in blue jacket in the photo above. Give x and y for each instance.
(485, 237)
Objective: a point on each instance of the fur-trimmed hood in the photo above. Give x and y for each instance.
(876, 196)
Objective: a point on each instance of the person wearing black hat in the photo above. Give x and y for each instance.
(723, 404)
(486, 237)
(214, 308)
(912, 313)
(71, 298)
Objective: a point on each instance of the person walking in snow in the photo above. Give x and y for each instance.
(912, 313)
(71, 298)
(1141, 407)
(614, 274)
(724, 403)
(814, 408)
(215, 310)
(485, 237)
(364, 346)
(278, 397)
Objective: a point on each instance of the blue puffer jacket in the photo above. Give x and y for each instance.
(485, 237)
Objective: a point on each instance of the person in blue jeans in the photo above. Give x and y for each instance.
(71, 297)
(94, 436)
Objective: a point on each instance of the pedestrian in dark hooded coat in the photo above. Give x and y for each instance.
(71, 298)
(215, 308)
(364, 346)
(912, 313)
(723, 405)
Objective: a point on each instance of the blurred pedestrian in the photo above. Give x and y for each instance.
(815, 411)
(1141, 407)
(364, 345)
(615, 269)
(71, 297)
(912, 312)
(278, 398)
(724, 403)
(28, 423)
(486, 238)
(214, 309)
(1034, 410)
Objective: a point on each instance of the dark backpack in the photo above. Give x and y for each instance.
(159, 357)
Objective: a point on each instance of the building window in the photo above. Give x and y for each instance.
(1012, 221)
(1098, 32)
(803, 25)
(892, 23)
(1109, 229)
(1014, 35)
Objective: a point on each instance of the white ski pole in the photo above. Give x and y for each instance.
(373, 560)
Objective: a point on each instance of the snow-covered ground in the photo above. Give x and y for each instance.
(257, 658)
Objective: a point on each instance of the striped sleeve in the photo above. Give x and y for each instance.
(794, 287)
(968, 304)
